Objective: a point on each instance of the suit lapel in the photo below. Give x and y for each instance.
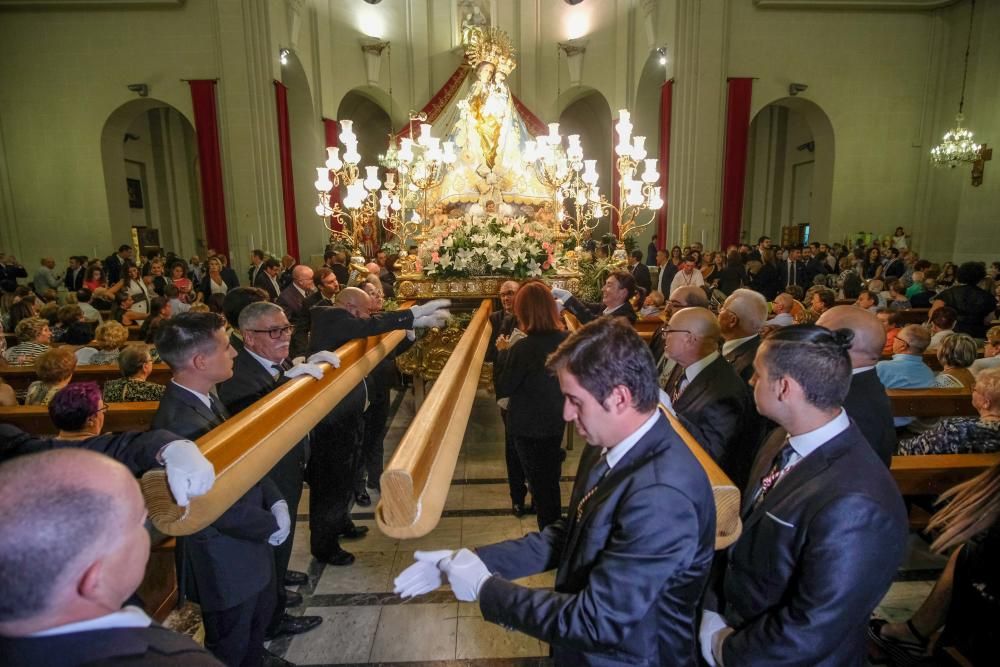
(193, 402)
(699, 385)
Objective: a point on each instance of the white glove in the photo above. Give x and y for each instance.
(280, 512)
(427, 308)
(189, 473)
(711, 624)
(561, 295)
(667, 403)
(411, 335)
(438, 318)
(325, 356)
(466, 574)
(305, 369)
(423, 576)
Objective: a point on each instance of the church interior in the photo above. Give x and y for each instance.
(429, 154)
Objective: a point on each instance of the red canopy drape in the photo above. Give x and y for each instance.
(331, 130)
(666, 103)
(734, 165)
(206, 126)
(287, 182)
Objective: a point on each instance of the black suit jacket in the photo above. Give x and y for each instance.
(136, 451)
(741, 359)
(630, 570)
(642, 278)
(664, 278)
(718, 409)
(786, 273)
(815, 557)
(74, 281)
(332, 327)
(503, 324)
(586, 312)
(231, 559)
(291, 300)
(536, 402)
(263, 281)
(303, 324)
(115, 267)
(767, 281)
(869, 407)
(153, 646)
(229, 277)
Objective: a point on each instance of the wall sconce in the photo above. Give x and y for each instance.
(283, 55)
(574, 50)
(372, 48)
(141, 88)
(661, 53)
(796, 88)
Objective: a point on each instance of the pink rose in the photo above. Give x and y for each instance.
(546, 265)
(435, 257)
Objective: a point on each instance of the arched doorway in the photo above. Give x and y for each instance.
(305, 133)
(588, 114)
(789, 178)
(149, 153)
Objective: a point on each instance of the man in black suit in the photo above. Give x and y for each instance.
(257, 258)
(741, 318)
(336, 440)
(867, 403)
(11, 269)
(327, 286)
(503, 323)
(267, 278)
(79, 519)
(231, 561)
(689, 296)
(300, 287)
(792, 271)
(228, 274)
(633, 554)
(261, 365)
(116, 265)
(824, 526)
(640, 271)
(708, 396)
(666, 273)
(73, 279)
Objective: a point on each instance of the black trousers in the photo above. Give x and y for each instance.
(236, 635)
(287, 474)
(372, 450)
(515, 473)
(541, 459)
(333, 459)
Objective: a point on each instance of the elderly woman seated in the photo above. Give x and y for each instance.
(135, 363)
(54, 369)
(108, 341)
(965, 435)
(653, 305)
(78, 411)
(34, 335)
(956, 354)
(991, 353)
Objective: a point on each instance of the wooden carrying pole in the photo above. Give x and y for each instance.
(728, 525)
(416, 481)
(246, 447)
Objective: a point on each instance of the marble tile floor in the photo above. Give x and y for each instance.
(366, 624)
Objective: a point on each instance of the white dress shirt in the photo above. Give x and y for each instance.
(612, 455)
(127, 617)
(731, 345)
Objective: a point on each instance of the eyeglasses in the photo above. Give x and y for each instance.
(102, 409)
(277, 333)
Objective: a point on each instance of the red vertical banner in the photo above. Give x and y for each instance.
(331, 131)
(206, 127)
(287, 181)
(666, 104)
(734, 165)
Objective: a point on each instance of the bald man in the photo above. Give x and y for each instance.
(296, 292)
(866, 403)
(741, 318)
(78, 518)
(682, 297)
(782, 309)
(708, 396)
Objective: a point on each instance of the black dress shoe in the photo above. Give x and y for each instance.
(363, 499)
(292, 599)
(518, 510)
(294, 625)
(530, 509)
(271, 660)
(295, 578)
(338, 558)
(374, 487)
(353, 531)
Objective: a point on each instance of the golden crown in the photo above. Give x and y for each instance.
(490, 45)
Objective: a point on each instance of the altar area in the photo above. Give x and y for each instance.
(476, 189)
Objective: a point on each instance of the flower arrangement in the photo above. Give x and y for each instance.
(472, 246)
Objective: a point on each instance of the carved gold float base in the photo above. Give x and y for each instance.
(475, 287)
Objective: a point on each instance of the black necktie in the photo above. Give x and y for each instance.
(594, 478)
(216, 410)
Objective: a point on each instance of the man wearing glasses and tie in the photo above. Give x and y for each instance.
(633, 554)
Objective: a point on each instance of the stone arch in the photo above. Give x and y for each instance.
(372, 123)
(791, 148)
(589, 115)
(151, 141)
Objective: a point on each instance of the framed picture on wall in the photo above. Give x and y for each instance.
(134, 186)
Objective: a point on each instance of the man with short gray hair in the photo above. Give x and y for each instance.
(740, 320)
(73, 549)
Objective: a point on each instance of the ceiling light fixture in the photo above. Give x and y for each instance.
(957, 146)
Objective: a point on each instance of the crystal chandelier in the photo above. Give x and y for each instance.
(958, 147)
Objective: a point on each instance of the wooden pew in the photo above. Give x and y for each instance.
(158, 589)
(913, 315)
(932, 474)
(19, 377)
(127, 416)
(133, 332)
(931, 402)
